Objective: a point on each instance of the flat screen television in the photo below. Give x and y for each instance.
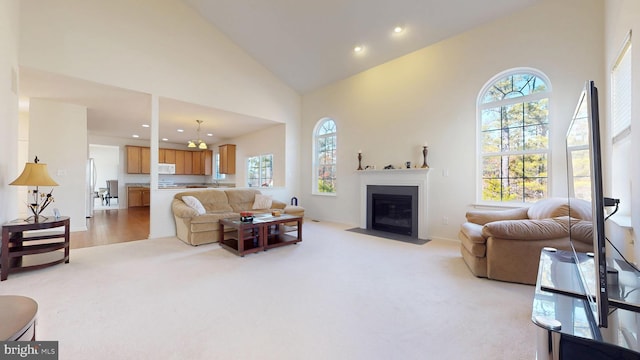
(584, 170)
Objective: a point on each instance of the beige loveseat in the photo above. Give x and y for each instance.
(505, 245)
(196, 229)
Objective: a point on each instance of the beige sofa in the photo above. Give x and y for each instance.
(505, 245)
(196, 229)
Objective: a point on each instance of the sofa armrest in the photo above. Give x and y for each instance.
(473, 232)
(544, 229)
(182, 210)
(277, 204)
(482, 217)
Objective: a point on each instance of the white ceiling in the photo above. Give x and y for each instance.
(306, 43)
(309, 43)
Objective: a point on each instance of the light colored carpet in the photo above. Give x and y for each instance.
(336, 295)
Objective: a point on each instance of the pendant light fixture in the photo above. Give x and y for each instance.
(197, 143)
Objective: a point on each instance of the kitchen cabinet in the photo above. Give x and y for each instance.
(145, 160)
(227, 159)
(180, 162)
(187, 162)
(197, 163)
(169, 156)
(138, 160)
(138, 196)
(207, 157)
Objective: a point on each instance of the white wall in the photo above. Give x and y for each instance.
(267, 141)
(430, 95)
(621, 16)
(63, 147)
(9, 11)
(159, 47)
(107, 162)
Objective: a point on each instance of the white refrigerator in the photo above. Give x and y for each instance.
(92, 177)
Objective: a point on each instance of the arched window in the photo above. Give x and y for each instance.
(324, 157)
(513, 115)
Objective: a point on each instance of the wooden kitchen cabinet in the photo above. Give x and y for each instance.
(187, 162)
(207, 157)
(145, 160)
(138, 196)
(180, 162)
(227, 159)
(197, 163)
(133, 159)
(169, 156)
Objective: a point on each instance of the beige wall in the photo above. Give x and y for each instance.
(622, 16)
(430, 95)
(9, 10)
(63, 147)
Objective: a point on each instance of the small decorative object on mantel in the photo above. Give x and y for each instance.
(35, 174)
(389, 167)
(425, 150)
(359, 160)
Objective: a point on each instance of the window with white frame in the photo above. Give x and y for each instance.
(260, 171)
(621, 128)
(513, 131)
(218, 175)
(324, 157)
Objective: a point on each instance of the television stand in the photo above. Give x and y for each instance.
(566, 326)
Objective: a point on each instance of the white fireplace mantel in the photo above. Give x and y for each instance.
(397, 177)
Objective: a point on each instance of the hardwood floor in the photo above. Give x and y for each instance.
(113, 226)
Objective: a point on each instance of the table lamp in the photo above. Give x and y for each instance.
(35, 174)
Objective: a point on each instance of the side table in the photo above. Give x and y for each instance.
(14, 247)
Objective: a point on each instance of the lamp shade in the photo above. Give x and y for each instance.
(34, 174)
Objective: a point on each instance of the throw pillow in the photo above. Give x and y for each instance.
(262, 202)
(194, 203)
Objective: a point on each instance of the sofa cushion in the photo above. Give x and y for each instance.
(211, 200)
(543, 229)
(549, 208)
(262, 202)
(482, 217)
(194, 203)
(241, 199)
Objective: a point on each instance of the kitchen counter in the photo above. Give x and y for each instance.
(183, 185)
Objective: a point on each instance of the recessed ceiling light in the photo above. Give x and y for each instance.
(398, 29)
(209, 134)
(135, 136)
(180, 130)
(165, 139)
(358, 48)
(145, 125)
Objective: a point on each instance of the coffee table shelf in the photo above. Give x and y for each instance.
(247, 239)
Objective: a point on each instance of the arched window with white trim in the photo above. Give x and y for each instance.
(513, 137)
(324, 157)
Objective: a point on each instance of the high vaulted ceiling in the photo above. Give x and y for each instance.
(309, 43)
(306, 43)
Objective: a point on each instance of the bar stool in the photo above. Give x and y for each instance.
(17, 318)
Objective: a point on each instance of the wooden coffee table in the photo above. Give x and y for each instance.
(248, 236)
(276, 231)
(265, 232)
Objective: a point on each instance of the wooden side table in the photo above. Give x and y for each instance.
(14, 247)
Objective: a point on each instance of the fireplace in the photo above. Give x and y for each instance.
(395, 182)
(393, 209)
